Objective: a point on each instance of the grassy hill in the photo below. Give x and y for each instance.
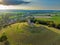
(24, 34)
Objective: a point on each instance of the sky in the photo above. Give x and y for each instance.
(30, 4)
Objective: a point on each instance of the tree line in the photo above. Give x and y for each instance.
(48, 23)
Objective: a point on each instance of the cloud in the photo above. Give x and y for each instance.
(13, 2)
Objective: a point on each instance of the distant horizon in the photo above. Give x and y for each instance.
(29, 9)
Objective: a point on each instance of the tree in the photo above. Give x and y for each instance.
(58, 26)
(3, 38)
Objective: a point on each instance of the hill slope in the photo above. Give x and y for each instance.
(24, 34)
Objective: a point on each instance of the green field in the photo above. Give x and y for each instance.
(23, 33)
(56, 19)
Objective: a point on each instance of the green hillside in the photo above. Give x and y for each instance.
(24, 34)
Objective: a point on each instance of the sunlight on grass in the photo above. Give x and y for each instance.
(24, 34)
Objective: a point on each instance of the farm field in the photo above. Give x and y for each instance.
(56, 19)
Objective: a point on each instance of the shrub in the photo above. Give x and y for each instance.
(52, 24)
(42, 22)
(3, 38)
(33, 21)
(6, 43)
(58, 26)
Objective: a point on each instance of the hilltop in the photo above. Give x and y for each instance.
(25, 34)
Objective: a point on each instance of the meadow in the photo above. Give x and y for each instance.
(21, 29)
(56, 19)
